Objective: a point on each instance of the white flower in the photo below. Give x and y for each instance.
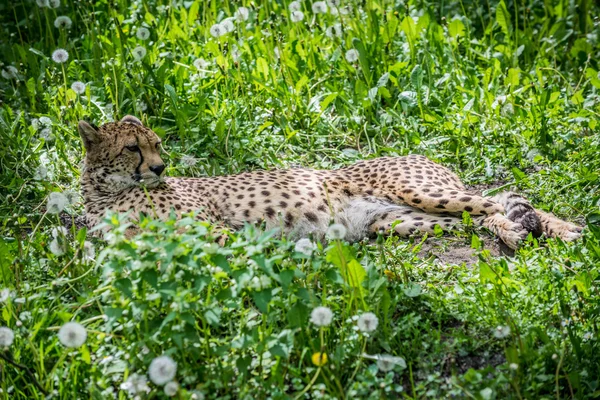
(336, 231)
(59, 231)
(142, 33)
(4, 295)
(295, 6)
(171, 388)
(56, 202)
(54, 3)
(242, 14)
(72, 334)
(200, 63)
(138, 53)
(352, 55)
(296, 16)
(7, 337)
(501, 331)
(136, 384)
(42, 3)
(88, 251)
(367, 322)
(228, 25)
(334, 31)
(10, 72)
(63, 22)
(321, 316)
(78, 87)
(217, 30)
(60, 56)
(162, 370)
(319, 7)
(513, 366)
(188, 161)
(305, 246)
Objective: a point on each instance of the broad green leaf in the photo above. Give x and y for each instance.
(503, 18)
(456, 28)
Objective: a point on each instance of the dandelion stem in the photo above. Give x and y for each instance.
(27, 371)
(312, 381)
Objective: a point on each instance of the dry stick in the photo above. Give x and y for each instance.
(27, 370)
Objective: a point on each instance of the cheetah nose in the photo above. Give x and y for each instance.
(157, 169)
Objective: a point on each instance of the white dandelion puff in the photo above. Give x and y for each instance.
(88, 251)
(7, 336)
(217, 30)
(57, 247)
(321, 316)
(72, 334)
(42, 3)
(142, 33)
(514, 366)
(336, 232)
(138, 53)
(4, 295)
(501, 332)
(136, 384)
(200, 63)
(295, 6)
(228, 25)
(367, 322)
(242, 14)
(10, 72)
(56, 202)
(162, 370)
(47, 135)
(197, 395)
(45, 121)
(63, 22)
(296, 16)
(78, 87)
(386, 362)
(305, 246)
(59, 231)
(334, 31)
(352, 55)
(54, 3)
(189, 161)
(60, 56)
(171, 388)
(141, 106)
(72, 196)
(319, 7)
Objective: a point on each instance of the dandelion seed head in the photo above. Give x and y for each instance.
(60, 56)
(10, 72)
(336, 232)
(501, 332)
(56, 202)
(141, 106)
(217, 30)
(54, 3)
(242, 14)
(296, 16)
(72, 334)
(196, 395)
(295, 6)
(334, 31)
(88, 251)
(136, 384)
(189, 161)
(319, 7)
(59, 231)
(171, 388)
(352, 55)
(305, 246)
(386, 362)
(514, 366)
(228, 25)
(367, 322)
(139, 53)
(200, 63)
(142, 33)
(45, 121)
(63, 22)
(7, 337)
(321, 316)
(42, 3)
(78, 87)
(57, 247)
(162, 370)
(4, 295)
(47, 135)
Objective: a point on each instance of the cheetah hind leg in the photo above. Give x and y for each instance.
(412, 220)
(555, 227)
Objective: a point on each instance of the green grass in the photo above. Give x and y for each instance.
(502, 93)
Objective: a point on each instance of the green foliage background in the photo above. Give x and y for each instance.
(504, 93)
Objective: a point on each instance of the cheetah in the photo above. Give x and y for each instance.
(123, 171)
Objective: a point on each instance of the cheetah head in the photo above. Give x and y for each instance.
(121, 154)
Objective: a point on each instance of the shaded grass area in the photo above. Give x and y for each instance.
(504, 93)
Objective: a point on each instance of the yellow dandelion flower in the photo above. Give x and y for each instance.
(319, 359)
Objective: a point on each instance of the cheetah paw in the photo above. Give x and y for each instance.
(566, 231)
(514, 235)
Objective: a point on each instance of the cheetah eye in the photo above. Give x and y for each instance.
(133, 148)
(158, 145)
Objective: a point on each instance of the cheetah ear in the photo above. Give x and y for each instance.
(131, 120)
(89, 134)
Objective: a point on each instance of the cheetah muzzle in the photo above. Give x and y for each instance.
(124, 172)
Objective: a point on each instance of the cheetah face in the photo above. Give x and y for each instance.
(121, 154)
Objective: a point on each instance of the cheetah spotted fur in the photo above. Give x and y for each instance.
(123, 172)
